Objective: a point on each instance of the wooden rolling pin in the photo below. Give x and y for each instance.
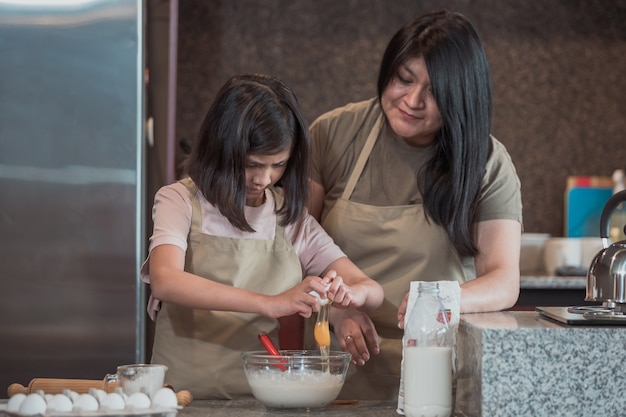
(56, 386)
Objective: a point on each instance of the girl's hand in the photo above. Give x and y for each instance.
(297, 299)
(351, 288)
(341, 294)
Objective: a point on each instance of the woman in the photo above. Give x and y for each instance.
(229, 252)
(413, 188)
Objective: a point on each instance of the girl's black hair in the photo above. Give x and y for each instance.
(251, 114)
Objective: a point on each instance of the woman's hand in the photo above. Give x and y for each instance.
(402, 310)
(356, 333)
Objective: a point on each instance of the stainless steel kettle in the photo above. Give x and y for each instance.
(606, 278)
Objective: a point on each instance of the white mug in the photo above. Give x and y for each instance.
(531, 252)
(590, 246)
(562, 251)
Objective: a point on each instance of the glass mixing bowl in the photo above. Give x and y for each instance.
(296, 378)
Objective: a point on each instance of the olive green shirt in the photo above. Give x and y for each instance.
(390, 176)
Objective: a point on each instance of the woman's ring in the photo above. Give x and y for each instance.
(347, 338)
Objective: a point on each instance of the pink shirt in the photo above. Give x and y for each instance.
(171, 215)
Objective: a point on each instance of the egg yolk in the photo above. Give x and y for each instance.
(322, 333)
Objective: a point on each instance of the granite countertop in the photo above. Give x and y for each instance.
(522, 364)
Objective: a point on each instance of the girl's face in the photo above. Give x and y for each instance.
(409, 105)
(263, 171)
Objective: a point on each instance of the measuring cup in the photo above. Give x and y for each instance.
(146, 378)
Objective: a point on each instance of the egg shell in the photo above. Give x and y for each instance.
(33, 404)
(323, 301)
(120, 391)
(99, 394)
(86, 402)
(60, 403)
(15, 401)
(113, 401)
(138, 400)
(165, 397)
(73, 395)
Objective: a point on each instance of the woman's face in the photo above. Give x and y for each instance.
(409, 105)
(263, 171)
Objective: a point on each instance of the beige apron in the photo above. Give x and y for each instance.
(203, 348)
(394, 245)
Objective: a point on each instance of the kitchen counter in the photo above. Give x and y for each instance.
(509, 364)
(517, 363)
(249, 408)
(547, 282)
(546, 290)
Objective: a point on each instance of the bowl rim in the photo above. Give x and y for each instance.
(296, 353)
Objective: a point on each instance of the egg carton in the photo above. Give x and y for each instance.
(150, 412)
(96, 403)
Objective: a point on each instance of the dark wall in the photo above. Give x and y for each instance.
(558, 69)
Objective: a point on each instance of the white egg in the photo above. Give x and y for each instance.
(138, 400)
(323, 301)
(86, 402)
(14, 402)
(99, 394)
(165, 397)
(113, 401)
(33, 404)
(73, 395)
(120, 391)
(60, 403)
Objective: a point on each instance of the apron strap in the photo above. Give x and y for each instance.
(196, 212)
(363, 157)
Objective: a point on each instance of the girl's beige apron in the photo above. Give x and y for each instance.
(201, 348)
(394, 245)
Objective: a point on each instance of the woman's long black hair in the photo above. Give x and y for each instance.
(251, 114)
(460, 78)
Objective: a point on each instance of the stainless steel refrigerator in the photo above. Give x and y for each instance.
(72, 201)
